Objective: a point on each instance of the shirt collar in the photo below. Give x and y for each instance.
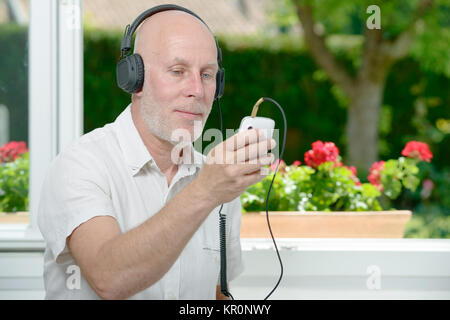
(135, 152)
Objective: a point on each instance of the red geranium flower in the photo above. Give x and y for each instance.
(375, 174)
(354, 175)
(11, 150)
(296, 163)
(352, 169)
(418, 150)
(321, 152)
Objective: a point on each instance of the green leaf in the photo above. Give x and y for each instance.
(392, 188)
(411, 182)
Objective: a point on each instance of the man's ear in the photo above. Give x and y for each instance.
(138, 94)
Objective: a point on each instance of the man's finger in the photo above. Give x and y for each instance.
(255, 150)
(244, 138)
(255, 165)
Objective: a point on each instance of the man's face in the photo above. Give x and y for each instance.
(180, 78)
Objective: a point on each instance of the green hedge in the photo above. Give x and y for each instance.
(14, 78)
(285, 72)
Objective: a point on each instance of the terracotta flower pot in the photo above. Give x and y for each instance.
(365, 224)
(14, 217)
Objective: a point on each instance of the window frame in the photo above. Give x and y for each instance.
(55, 79)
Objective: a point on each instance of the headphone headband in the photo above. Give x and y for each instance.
(131, 29)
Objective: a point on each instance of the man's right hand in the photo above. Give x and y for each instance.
(234, 165)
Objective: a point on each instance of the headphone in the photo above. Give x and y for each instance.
(130, 68)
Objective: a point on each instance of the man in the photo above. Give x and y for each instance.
(116, 205)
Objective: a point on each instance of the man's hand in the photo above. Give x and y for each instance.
(234, 165)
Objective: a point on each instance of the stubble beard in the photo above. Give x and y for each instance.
(160, 127)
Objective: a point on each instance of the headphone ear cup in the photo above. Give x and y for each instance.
(220, 83)
(130, 73)
(139, 72)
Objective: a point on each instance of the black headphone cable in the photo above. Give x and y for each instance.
(222, 233)
(268, 193)
(222, 217)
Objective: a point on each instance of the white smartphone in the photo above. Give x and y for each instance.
(266, 124)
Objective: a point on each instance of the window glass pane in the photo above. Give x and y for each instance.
(260, 39)
(14, 158)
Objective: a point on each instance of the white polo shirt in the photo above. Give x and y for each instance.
(109, 172)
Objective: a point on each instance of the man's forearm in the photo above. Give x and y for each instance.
(138, 258)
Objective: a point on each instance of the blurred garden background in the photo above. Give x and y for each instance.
(370, 91)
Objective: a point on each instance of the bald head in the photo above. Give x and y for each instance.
(152, 32)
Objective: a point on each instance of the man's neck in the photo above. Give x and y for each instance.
(159, 149)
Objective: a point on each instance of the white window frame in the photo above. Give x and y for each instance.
(314, 268)
(55, 101)
(56, 119)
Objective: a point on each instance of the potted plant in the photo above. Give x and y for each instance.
(324, 198)
(14, 182)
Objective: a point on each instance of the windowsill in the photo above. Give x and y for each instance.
(20, 237)
(326, 268)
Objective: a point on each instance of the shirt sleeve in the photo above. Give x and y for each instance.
(75, 190)
(235, 265)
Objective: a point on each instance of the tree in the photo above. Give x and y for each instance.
(406, 27)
